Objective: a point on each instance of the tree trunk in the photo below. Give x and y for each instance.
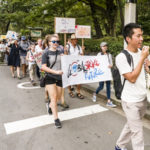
(111, 11)
(7, 26)
(97, 27)
(121, 14)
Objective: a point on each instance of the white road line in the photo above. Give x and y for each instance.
(21, 86)
(43, 120)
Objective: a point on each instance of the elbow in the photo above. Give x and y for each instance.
(133, 81)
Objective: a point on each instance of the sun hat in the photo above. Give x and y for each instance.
(73, 37)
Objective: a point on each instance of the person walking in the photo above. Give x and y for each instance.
(74, 49)
(25, 47)
(108, 57)
(134, 92)
(32, 63)
(14, 58)
(51, 64)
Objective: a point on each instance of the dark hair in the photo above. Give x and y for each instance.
(128, 30)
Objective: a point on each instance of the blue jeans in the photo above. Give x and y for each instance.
(101, 86)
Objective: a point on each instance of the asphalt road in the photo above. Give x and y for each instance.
(97, 131)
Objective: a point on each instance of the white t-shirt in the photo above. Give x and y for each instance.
(108, 57)
(132, 92)
(38, 49)
(2, 48)
(77, 50)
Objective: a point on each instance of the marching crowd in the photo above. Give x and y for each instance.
(20, 54)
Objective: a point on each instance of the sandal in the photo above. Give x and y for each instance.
(80, 96)
(71, 94)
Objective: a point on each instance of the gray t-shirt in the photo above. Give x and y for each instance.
(48, 58)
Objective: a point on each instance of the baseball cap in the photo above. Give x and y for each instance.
(103, 44)
(23, 38)
(73, 37)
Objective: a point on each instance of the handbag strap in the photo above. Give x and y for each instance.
(53, 62)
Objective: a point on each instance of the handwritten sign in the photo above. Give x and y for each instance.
(84, 69)
(83, 31)
(38, 58)
(64, 25)
(2, 37)
(11, 35)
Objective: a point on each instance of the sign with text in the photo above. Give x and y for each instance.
(64, 25)
(83, 31)
(2, 37)
(35, 33)
(84, 69)
(38, 58)
(11, 35)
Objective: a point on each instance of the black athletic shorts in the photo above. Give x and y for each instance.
(49, 80)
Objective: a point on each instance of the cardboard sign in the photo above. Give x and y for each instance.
(64, 25)
(84, 69)
(83, 31)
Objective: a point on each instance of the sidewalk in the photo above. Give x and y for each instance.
(90, 88)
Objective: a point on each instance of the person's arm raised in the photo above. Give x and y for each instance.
(132, 76)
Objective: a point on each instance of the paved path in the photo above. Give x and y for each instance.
(93, 131)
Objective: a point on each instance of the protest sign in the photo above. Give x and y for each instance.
(83, 31)
(64, 25)
(84, 69)
(11, 35)
(38, 58)
(2, 37)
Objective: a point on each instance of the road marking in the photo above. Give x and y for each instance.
(21, 86)
(43, 120)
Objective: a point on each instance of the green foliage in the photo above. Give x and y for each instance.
(93, 45)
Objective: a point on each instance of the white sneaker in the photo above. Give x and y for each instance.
(94, 97)
(110, 104)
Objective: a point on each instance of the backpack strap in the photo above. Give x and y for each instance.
(68, 49)
(130, 61)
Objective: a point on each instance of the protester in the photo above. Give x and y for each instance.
(38, 49)
(74, 49)
(63, 104)
(25, 47)
(2, 50)
(32, 64)
(108, 57)
(14, 58)
(51, 64)
(134, 91)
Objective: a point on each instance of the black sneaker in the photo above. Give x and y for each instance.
(58, 123)
(49, 109)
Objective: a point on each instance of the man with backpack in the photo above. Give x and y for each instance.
(133, 95)
(74, 49)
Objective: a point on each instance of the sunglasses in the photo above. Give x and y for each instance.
(57, 42)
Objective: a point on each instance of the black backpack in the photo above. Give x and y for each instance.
(118, 86)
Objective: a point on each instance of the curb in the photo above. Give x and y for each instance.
(90, 90)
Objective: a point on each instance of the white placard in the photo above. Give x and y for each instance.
(64, 25)
(84, 69)
(38, 58)
(83, 31)
(11, 35)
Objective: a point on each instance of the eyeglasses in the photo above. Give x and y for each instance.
(57, 42)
